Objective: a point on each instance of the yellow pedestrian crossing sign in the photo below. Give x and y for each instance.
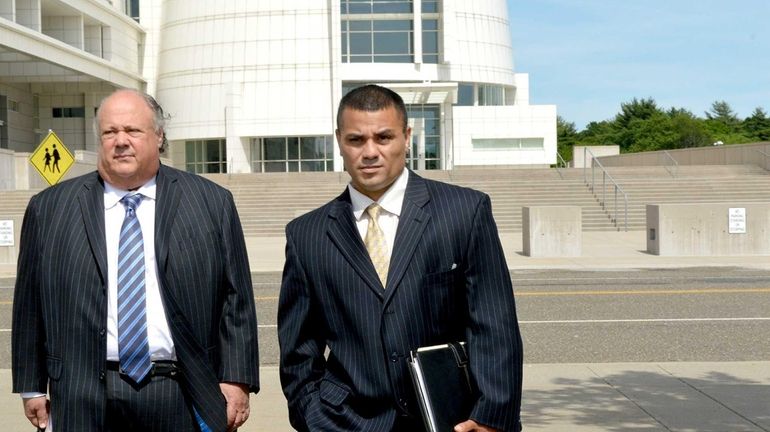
(51, 158)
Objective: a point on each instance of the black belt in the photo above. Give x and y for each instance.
(165, 368)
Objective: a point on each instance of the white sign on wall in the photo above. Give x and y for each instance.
(6, 232)
(737, 220)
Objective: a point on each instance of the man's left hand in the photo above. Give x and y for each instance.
(237, 397)
(472, 426)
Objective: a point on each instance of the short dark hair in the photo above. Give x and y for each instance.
(371, 98)
(158, 116)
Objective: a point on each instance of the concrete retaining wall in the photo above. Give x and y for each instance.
(704, 229)
(552, 231)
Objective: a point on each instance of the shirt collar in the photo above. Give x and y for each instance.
(113, 195)
(391, 201)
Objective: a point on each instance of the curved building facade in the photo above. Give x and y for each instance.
(253, 85)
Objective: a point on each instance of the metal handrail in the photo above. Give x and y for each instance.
(765, 155)
(676, 164)
(603, 199)
(560, 163)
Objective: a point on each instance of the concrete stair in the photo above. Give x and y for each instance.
(266, 202)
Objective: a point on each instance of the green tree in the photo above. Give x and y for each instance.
(757, 125)
(637, 109)
(566, 137)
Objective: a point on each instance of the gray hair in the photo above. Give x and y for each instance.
(159, 118)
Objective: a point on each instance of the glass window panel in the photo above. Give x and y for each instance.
(430, 58)
(392, 7)
(393, 59)
(391, 43)
(275, 166)
(465, 94)
(275, 149)
(432, 147)
(361, 59)
(430, 42)
(189, 152)
(293, 145)
(432, 164)
(429, 24)
(293, 166)
(359, 8)
(312, 147)
(360, 43)
(329, 143)
(213, 168)
(344, 44)
(429, 6)
(360, 25)
(532, 143)
(392, 25)
(312, 166)
(431, 126)
(212, 151)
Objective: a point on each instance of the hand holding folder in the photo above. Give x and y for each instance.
(444, 387)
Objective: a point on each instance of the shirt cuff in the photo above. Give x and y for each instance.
(30, 395)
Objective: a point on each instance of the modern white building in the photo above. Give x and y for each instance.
(253, 85)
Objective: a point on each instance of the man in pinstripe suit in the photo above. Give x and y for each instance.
(196, 330)
(394, 263)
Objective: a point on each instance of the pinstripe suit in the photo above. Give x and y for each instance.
(60, 301)
(448, 281)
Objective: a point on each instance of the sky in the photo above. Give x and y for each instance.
(589, 56)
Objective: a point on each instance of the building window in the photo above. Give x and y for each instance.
(292, 154)
(430, 41)
(429, 6)
(132, 9)
(206, 156)
(426, 136)
(68, 112)
(491, 95)
(382, 31)
(13, 105)
(376, 6)
(507, 144)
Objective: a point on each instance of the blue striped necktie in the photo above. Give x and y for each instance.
(133, 345)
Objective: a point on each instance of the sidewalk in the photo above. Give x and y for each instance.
(612, 397)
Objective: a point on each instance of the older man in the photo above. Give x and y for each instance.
(142, 317)
(394, 263)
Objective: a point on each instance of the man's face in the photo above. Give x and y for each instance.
(129, 154)
(373, 146)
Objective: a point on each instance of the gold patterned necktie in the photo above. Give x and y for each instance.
(375, 244)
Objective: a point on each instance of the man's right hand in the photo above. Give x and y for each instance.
(36, 410)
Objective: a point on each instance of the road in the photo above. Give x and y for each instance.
(651, 315)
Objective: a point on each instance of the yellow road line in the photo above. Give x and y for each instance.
(641, 292)
(596, 293)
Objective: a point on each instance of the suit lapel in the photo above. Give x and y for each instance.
(91, 201)
(166, 204)
(411, 225)
(345, 236)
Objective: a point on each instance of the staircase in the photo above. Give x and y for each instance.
(266, 202)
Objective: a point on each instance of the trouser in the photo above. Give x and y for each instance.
(157, 404)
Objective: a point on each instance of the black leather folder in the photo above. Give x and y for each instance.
(444, 387)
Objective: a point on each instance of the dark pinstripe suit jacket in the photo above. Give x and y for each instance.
(60, 300)
(448, 281)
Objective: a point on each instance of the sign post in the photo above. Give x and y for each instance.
(51, 158)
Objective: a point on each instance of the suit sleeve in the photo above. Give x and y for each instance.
(302, 350)
(28, 338)
(238, 328)
(494, 340)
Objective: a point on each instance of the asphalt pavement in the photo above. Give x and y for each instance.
(615, 340)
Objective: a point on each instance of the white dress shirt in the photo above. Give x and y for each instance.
(158, 333)
(161, 344)
(391, 202)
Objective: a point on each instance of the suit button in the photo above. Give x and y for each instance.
(394, 357)
(101, 332)
(101, 375)
(402, 402)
